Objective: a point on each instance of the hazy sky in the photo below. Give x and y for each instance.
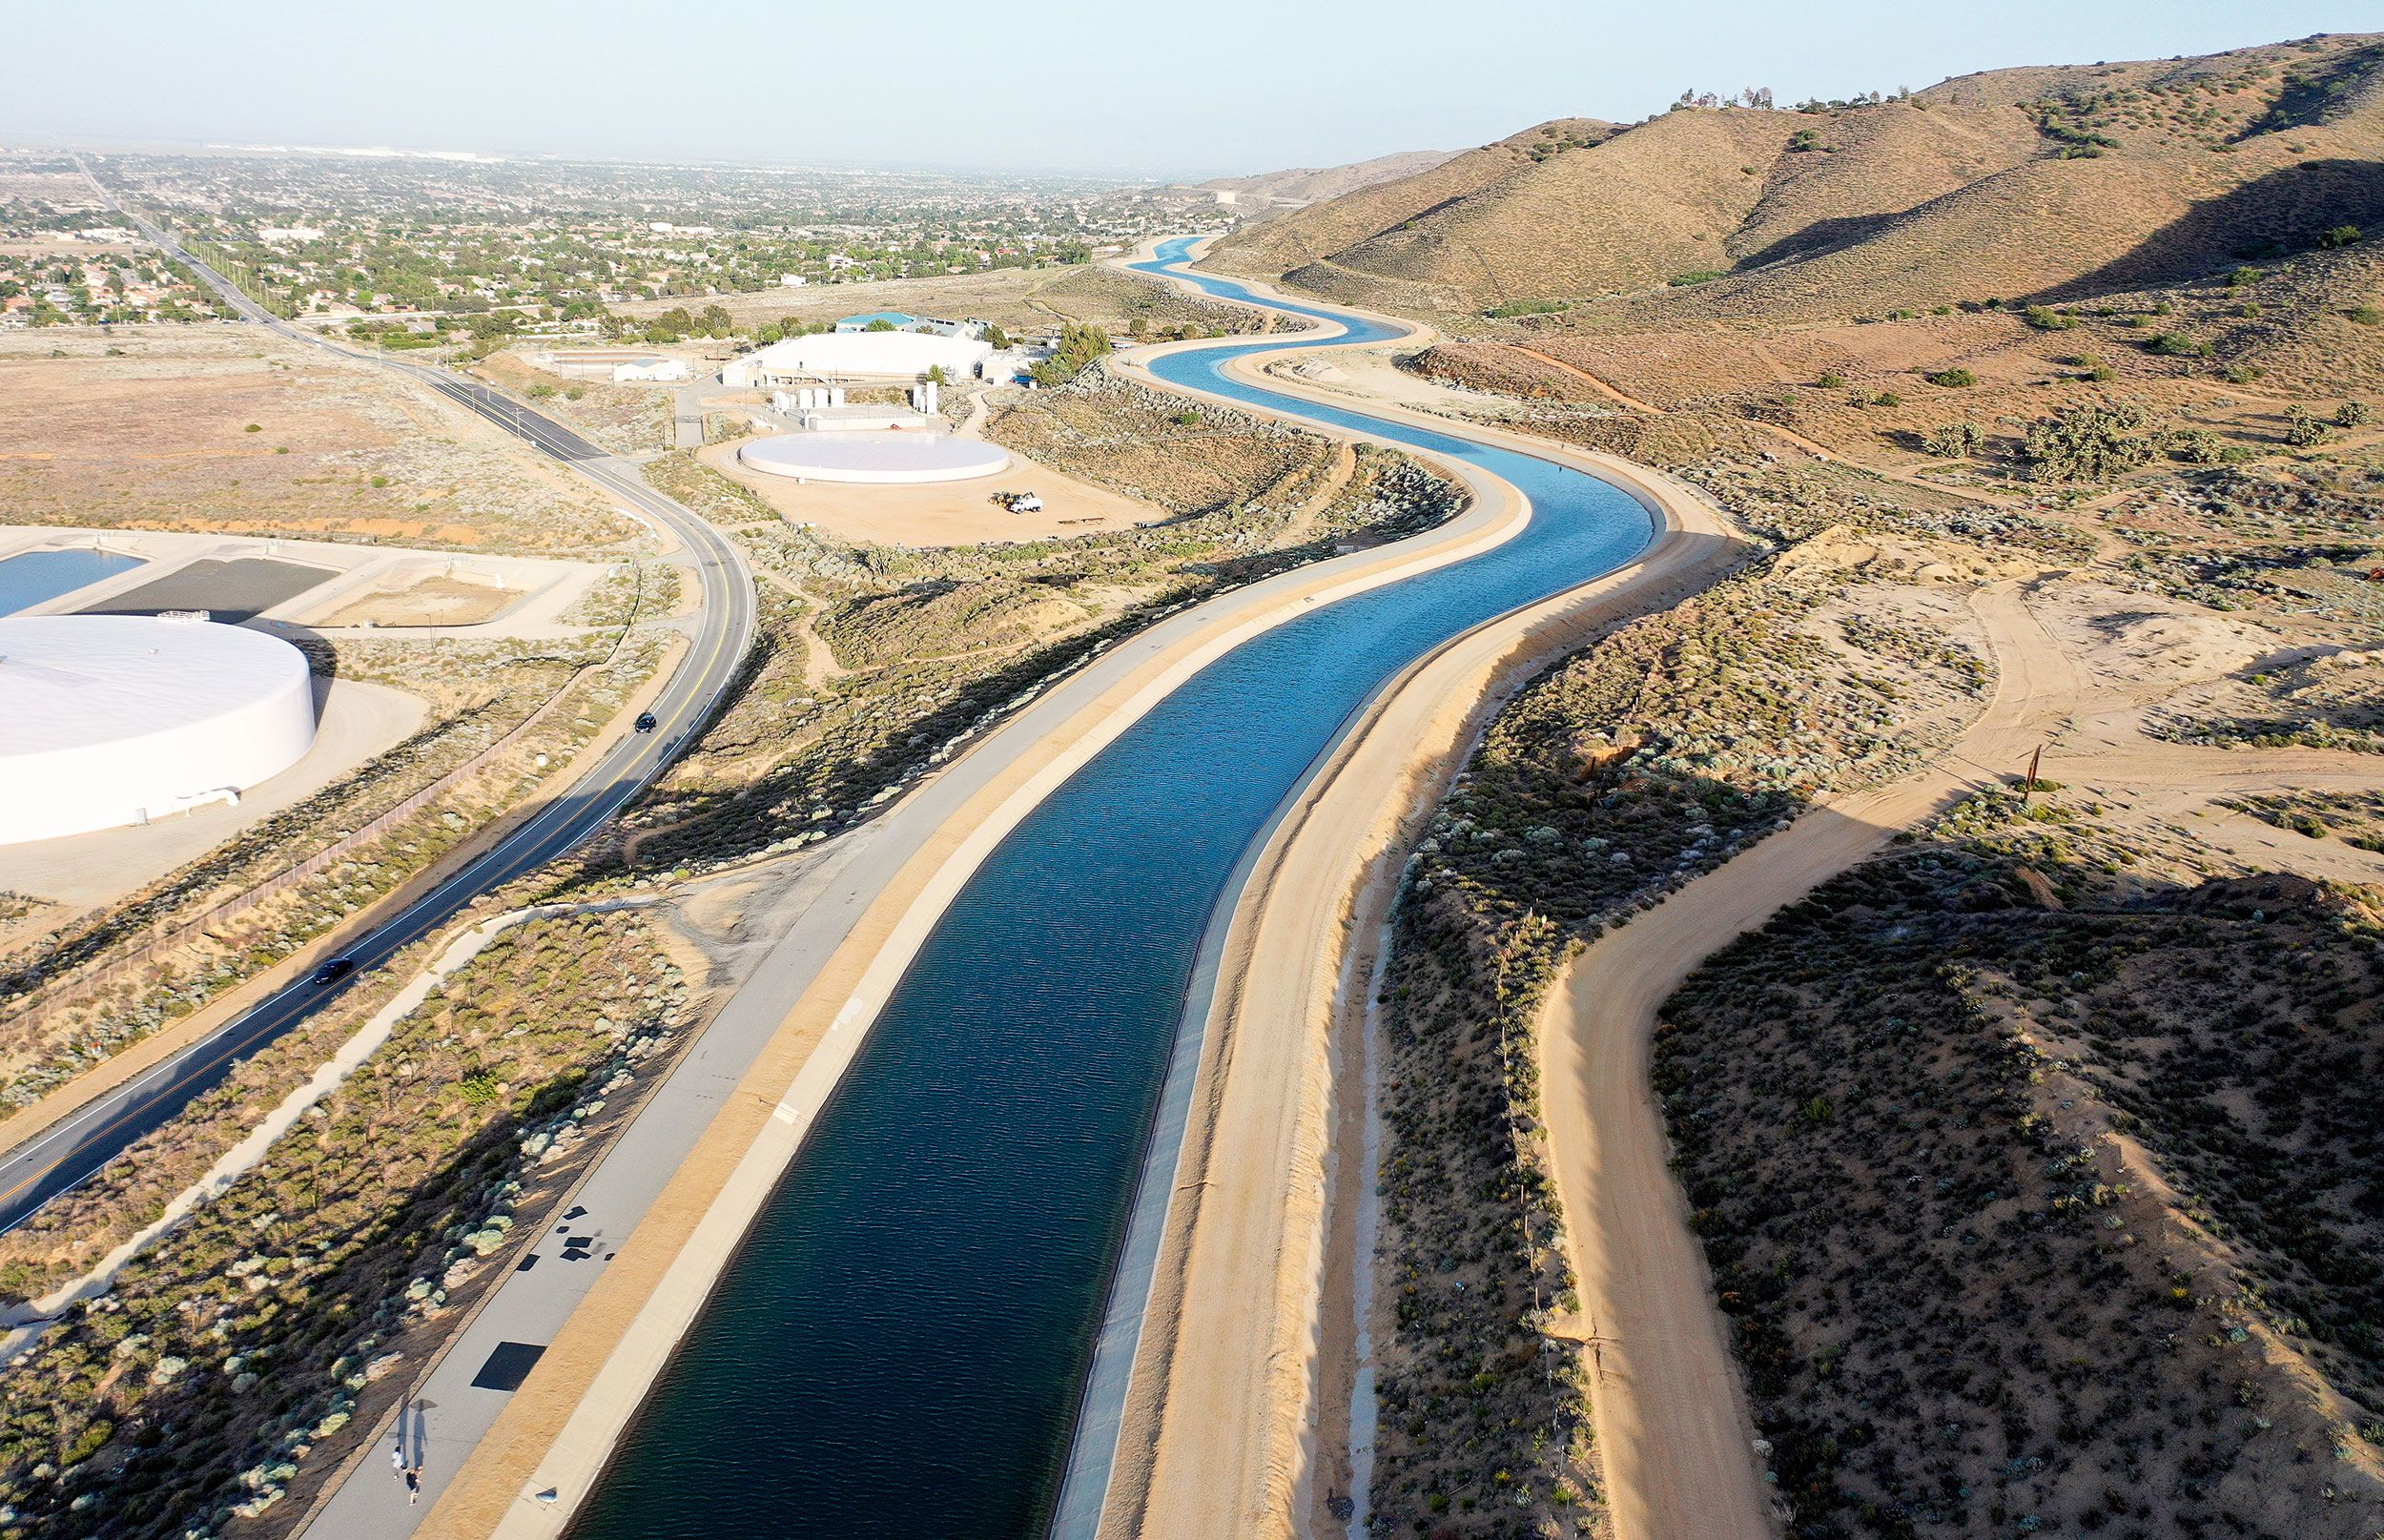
(1131, 86)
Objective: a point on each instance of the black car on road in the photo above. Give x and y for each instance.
(646, 721)
(332, 972)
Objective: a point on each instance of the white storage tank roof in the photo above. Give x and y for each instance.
(111, 719)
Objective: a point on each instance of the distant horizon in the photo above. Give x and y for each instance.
(1324, 87)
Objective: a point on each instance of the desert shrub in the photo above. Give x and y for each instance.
(1952, 378)
(2351, 413)
(2087, 443)
(2336, 239)
(1956, 439)
(1830, 380)
(2302, 430)
(2046, 318)
(2366, 315)
(1527, 307)
(1684, 280)
(1887, 397)
(2177, 345)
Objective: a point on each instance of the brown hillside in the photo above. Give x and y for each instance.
(1312, 234)
(1680, 186)
(1308, 184)
(2040, 184)
(2321, 323)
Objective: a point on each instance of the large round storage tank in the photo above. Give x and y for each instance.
(114, 719)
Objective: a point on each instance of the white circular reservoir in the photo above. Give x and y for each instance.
(116, 719)
(890, 457)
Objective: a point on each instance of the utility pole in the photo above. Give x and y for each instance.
(2034, 760)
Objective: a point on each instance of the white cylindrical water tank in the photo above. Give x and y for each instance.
(116, 719)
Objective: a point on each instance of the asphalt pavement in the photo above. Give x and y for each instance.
(67, 1154)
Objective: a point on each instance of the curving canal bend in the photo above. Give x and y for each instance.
(900, 1346)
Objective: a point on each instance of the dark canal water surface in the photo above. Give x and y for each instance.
(899, 1348)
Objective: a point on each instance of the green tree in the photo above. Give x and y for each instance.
(2302, 430)
(1079, 347)
(996, 337)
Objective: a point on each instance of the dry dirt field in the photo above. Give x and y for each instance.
(149, 428)
(434, 601)
(952, 513)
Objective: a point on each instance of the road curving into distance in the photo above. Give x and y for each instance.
(69, 1151)
(869, 1298)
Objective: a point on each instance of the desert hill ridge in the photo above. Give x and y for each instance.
(2049, 183)
(1310, 184)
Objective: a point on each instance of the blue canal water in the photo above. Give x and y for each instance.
(37, 577)
(899, 1348)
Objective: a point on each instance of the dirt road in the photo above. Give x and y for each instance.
(1671, 1416)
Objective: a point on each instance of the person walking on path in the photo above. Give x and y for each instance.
(396, 1459)
(413, 1488)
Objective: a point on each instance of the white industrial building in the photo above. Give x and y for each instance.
(651, 371)
(118, 719)
(832, 356)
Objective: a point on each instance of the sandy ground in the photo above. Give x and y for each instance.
(354, 720)
(950, 513)
(429, 601)
(1671, 1417)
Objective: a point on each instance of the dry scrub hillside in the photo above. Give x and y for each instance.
(1315, 233)
(238, 432)
(231, 1369)
(2208, 374)
(1658, 755)
(2037, 1164)
(2032, 183)
(1307, 184)
(1932, 1383)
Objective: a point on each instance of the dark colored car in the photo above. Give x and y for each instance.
(336, 969)
(646, 721)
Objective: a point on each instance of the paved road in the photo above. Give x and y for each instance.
(66, 1154)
